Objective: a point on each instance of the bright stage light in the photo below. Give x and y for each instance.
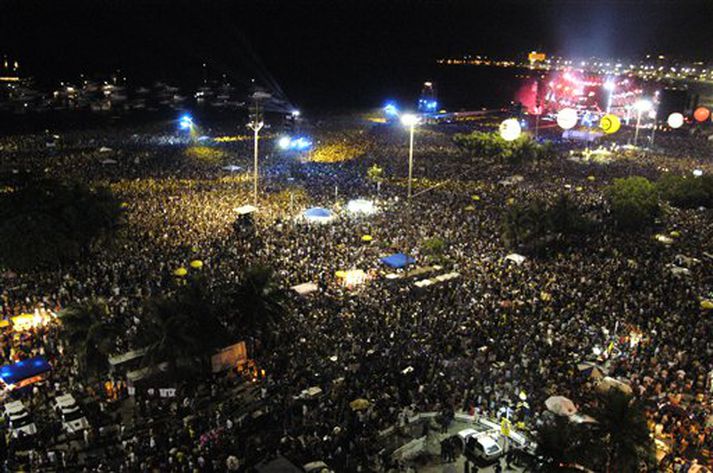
(510, 129)
(391, 110)
(409, 119)
(643, 105)
(295, 113)
(284, 142)
(300, 144)
(697, 172)
(185, 122)
(675, 120)
(609, 85)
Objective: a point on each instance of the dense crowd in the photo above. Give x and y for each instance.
(473, 344)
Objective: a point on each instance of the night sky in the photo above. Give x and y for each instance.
(309, 45)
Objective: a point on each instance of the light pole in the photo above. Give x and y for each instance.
(410, 120)
(653, 114)
(641, 106)
(256, 126)
(610, 86)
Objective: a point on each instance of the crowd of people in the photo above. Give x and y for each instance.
(474, 343)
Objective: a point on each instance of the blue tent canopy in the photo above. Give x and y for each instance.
(318, 212)
(398, 260)
(12, 374)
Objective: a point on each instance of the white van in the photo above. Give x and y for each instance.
(73, 420)
(18, 419)
(480, 445)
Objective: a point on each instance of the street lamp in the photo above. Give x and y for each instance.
(256, 126)
(641, 106)
(610, 86)
(410, 120)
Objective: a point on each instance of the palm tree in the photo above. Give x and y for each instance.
(183, 330)
(89, 335)
(259, 300)
(562, 446)
(622, 431)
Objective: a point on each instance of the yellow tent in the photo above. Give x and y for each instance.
(675, 234)
(367, 238)
(469, 208)
(475, 197)
(706, 304)
(359, 404)
(341, 274)
(591, 178)
(180, 272)
(196, 264)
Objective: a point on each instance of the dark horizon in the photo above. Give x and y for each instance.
(311, 47)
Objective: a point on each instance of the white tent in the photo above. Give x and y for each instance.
(560, 405)
(104, 149)
(512, 180)
(232, 168)
(108, 161)
(318, 215)
(515, 258)
(305, 288)
(608, 383)
(245, 209)
(361, 206)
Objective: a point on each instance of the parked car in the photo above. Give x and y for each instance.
(480, 445)
(19, 421)
(73, 419)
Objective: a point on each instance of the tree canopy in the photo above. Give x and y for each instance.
(46, 224)
(686, 191)
(634, 202)
(538, 224)
(492, 145)
(90, 335)
(183, 330)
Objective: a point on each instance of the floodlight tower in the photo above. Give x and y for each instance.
(427, 101)
(256, 124)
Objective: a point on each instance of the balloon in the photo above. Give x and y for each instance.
(675, 120)
(702, 114)
(610, 124)
(510, 129)
(567, 118)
